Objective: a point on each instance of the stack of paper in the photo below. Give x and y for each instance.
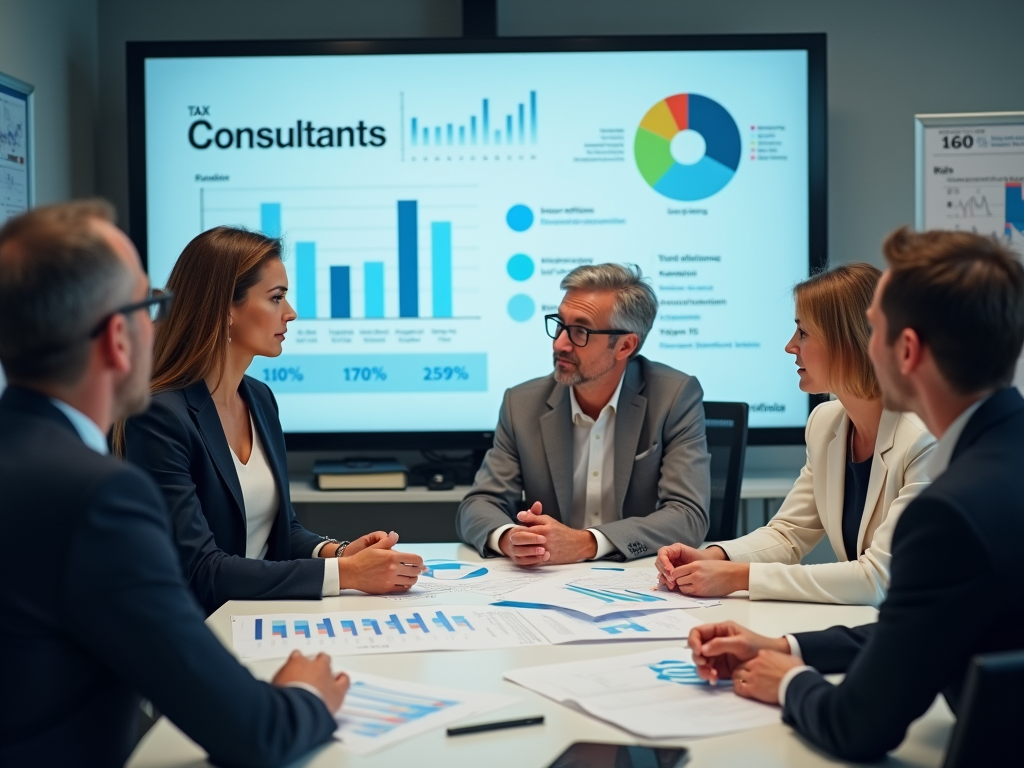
(655, 694)
(379, 712)
(464, 627)
(601, 593)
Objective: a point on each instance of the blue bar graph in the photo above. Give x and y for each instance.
(302, 628)
(441, 267)
(341, 292)
(259, 629)
(408, 260)
(348, 626)
(533, 117)
(462, 621)
(371, 624)
(417, 621)
(509, 132)
(373, 288)
(270, 219)
(279, 628)
(441, 620)
(325, 627)
(395, 623)
(305, 278)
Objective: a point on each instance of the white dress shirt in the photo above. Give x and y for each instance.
(943, 452)
(86, 428)
(938, 463)
(593, 474)
(262, 500)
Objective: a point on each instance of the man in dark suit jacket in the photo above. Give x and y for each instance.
(108, 616)
(606, 457)
(948, 326)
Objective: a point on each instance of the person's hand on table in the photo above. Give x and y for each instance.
(317, 673)
(542, 539)
(365, 541)
(720, 649)
(378, 569)
(760, 677)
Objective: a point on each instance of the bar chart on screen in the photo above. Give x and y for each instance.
(490, 125)
(364, 253)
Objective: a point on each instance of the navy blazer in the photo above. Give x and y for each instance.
(104, 616)
(956, 592)
(180, 442)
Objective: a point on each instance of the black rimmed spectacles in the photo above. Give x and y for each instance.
(579, 335)
(157, 303)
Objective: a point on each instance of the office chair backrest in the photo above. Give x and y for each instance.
(727, 443)
(987, 731)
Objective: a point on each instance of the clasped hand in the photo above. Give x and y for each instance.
(371, 564)
(543, 540)
(703, 572)
(756, 664)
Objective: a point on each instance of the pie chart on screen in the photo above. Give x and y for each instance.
(687, 147)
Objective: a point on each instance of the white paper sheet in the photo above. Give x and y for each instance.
(601, 593)
(402, 630)
(379, 711)
(560, 628)
(655, 694)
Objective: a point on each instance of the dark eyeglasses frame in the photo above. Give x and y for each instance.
(157, 302)
(588, 332)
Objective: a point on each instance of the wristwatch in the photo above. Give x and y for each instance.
(340, 551)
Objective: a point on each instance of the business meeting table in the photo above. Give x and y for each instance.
(537, 746)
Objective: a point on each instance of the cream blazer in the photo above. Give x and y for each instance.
(814, 508)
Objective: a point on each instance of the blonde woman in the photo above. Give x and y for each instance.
(864, 465)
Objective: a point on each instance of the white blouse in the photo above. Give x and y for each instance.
(259, 496)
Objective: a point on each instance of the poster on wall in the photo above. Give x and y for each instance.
(16, 153)
(969, 177)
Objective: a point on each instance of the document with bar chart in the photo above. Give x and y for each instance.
(379, 711)
(400, 631)
(429, 207)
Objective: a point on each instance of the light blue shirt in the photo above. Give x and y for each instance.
(86, 428)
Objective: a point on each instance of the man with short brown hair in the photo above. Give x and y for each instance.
(104, 615)
(948, 326)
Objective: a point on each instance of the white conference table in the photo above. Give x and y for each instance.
(774, 746)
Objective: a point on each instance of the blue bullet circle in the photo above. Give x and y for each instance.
(519, 218)
(520, 267)
(521, 307)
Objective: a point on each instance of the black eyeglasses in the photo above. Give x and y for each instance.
(579, 335)
(157, 302)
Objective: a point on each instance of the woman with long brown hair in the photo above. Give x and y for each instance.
(212, 438)
(864, 466)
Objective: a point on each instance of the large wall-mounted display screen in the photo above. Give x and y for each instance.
(430, 202)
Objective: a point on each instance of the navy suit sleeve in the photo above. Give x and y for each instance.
(942, 575)
(301, 541)
(124, 599)
(833, 650)
(158, 442)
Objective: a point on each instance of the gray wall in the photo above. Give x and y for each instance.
(887, 60)
(52, 45)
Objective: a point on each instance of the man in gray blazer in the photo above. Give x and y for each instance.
(606, 457)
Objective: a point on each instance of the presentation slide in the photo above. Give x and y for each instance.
(431, 204)
(14, 180)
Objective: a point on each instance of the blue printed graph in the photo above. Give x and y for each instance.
(676, 671)
(624, 627)
(373, 711)
(607, 595)
(452, 570)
